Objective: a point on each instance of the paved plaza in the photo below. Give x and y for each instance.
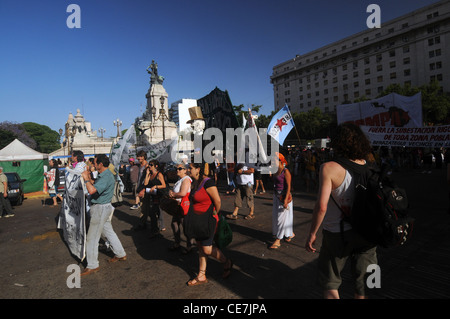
(35, 258)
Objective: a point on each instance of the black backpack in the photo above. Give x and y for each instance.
(380, 208)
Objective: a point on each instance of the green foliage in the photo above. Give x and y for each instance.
(238, 110)
(6, 137)
(46, 139)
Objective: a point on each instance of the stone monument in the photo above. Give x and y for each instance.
(156, 125)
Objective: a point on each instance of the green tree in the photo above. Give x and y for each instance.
(239, 110)
(46, 139)
(6, 137)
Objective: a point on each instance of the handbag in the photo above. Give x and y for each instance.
(184, 205)
(199, 226)
(224, 234)
(170, 205)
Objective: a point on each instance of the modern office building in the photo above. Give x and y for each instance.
(180, 112)
(412, 49)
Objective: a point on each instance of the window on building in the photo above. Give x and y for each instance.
(407, 72)
(393, 75)
(406, 61)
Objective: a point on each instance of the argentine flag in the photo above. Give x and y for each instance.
(281, 124)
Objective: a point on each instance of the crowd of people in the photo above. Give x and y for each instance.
(313, 170)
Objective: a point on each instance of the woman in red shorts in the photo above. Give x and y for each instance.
(205, 199)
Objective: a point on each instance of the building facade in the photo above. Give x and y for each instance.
(413, 49)
(180, 113)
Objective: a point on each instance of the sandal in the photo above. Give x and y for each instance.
(227, 270)
(196, 281)
(231, 216)
(250, 216)
(274, 246)
(289, 239)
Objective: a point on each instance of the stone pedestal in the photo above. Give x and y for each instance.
(154, 126)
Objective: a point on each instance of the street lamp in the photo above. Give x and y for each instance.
(118, 123)
(102, 130)
(162, 115)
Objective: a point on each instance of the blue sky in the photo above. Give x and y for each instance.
(48, 70)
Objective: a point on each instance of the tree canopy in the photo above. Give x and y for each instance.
(36, 136)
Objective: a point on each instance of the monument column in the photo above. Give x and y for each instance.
(154, 122)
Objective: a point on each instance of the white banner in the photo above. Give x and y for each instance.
(121, 151)
(392, 110)
(164, 151)
(429, 136)
(72, 219)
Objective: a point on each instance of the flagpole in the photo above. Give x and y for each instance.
(257, 135)
(295, 127)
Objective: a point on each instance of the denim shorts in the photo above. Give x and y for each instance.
(336, 249)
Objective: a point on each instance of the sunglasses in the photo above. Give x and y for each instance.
(150, 164)
(180, 168)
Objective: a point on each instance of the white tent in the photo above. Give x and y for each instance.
(17, 151)
(28, 163)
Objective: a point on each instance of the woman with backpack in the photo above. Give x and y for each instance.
(340, 242)
(201, 221)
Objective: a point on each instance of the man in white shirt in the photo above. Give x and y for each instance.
(244, 179)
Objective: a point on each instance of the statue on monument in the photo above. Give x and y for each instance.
(155, 78)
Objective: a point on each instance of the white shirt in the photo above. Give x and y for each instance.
(244, 179)
(177, 186)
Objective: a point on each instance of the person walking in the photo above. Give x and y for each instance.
(101, 212)
(258, 180)
(181, 188)
(134, 179)
(5, 204)
(141, 157)
(53, 180)
(339, 246)
(310, 171)
(205, 199)
(153, 181)
(244, 179)
(282, 211)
